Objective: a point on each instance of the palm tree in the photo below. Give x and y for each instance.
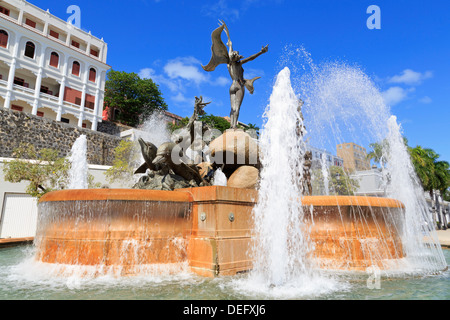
(378, 152)
(433, 174)
(423, 161)
(252, 126)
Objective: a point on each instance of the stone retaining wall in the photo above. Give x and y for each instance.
(17, 127)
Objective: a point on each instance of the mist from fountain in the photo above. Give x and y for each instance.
(343, 104)
(154, 129)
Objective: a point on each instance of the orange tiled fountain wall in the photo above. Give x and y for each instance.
(210, 227)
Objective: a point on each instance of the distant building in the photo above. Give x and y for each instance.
(354, 156)
(50, 68)
(245, 126)
(172, 118)
(320, 155)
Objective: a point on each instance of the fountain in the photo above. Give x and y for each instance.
(277, 229)
(78, 174)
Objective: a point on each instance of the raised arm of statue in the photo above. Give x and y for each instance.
(229, 43)
(256, 55)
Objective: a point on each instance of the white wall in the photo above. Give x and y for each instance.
(18, 211)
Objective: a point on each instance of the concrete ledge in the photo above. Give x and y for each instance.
(11, 242)
(444, 237)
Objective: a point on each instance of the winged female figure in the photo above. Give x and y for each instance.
(234, 61)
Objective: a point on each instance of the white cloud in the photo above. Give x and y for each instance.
(221, 9)
(395, 95)
(410, 77)
(179, 75)
(426, 100)
(221, 81)
(185, 68)
(147, 73)
(251, 73)
(180, 98)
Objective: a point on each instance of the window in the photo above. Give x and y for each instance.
(54, 34)
(40, 114)
(19, 81)
(83, 125)
(54, 59)
(29, 50)
(30, 23)
(76, 68)
(17, 108)
(65, 120)
(92, 74)
(89, 101)
(3, 38)
(4, 11)
(94, 53)
(75, 44)
(46, 90)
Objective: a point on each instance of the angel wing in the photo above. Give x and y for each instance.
(219, 50)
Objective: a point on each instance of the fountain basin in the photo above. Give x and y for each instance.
(210, 228)
(113, 228)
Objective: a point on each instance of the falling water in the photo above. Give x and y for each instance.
(342, 104)
(425, 256)
(78, 173)
(220, 179)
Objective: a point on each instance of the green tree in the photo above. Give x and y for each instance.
(133, 97)
(215, 122)
(442, 172)
(172, 127)
(423, 161)
(45, 171)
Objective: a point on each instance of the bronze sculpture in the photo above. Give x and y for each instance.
(234, 62)
(148, 150)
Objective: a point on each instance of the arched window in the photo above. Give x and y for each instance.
(76, 68)
(29, 49)
(3, 38)
(92, 74)
(54, 59)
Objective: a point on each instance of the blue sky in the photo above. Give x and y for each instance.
(409, 58)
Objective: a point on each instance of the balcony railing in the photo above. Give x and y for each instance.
(23, 89)
(50, 37)
(49, 97)
(32, 28)
(71, 105)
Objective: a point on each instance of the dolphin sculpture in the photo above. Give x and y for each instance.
(163, 157)
(148, 150)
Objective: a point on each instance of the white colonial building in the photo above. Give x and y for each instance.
(50, 68)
